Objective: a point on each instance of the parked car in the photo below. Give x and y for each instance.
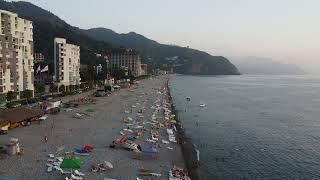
(2, 132)
(51, 107)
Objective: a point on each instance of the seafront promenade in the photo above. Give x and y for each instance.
(109, 121)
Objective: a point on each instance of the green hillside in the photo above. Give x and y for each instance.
(182, 59)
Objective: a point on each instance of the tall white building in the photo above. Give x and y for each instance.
(16, 53)
(66, 62)
(128, 59)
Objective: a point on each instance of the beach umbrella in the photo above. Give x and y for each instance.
(123, 140)
(82, 152)
(150, 150)
(108, 164)
(71, 163)
(88, 148)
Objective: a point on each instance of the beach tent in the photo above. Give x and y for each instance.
(150, 150)
(91, 110)
(71, 163)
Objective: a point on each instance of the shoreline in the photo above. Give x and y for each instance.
(188, 150)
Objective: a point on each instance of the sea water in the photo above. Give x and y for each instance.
(252, 127)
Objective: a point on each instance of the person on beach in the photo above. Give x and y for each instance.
(113, 145)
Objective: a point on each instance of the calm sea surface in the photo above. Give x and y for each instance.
(252, 127)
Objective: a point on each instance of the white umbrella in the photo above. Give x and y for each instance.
(108, 164)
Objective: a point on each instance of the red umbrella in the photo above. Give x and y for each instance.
(123, 140)
(88, 148)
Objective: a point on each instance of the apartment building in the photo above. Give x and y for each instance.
(38, 58)
(66, 63)
(128, 60)
(144, 69)
(16, 53)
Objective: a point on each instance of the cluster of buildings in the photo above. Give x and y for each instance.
(17, 59)
(128, 60)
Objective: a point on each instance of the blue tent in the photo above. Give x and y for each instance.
(150, 150)
(5, 178)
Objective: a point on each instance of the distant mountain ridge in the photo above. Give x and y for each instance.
(189, 61)
(260, 65)
(47, 26)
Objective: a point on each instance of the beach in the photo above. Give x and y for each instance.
(98, 129)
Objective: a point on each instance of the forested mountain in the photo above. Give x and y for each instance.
(182, 59)
(47, 26)
(260, 65)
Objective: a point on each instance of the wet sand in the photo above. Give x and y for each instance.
(98, 130)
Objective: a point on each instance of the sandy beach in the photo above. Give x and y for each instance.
(97, 129)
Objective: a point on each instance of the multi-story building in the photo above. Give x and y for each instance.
(66, 63)
(16, 53)
(128, 59)
(42, 78)
(38, 58)
(144, 69)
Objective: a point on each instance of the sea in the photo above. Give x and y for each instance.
(252, 126)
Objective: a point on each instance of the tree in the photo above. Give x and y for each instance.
(119, 74)
(62, 88)
(2, 98)
(39, 88)
(53, 88)
(27, 94)
(11, 96)
(71, 88)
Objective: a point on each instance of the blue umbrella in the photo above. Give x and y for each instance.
(150, 150)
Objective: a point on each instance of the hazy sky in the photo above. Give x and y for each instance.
(286, 30)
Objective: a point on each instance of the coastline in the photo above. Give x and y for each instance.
(189, 152)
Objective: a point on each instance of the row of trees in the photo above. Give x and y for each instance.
(11, 95)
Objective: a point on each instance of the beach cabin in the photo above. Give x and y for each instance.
(12, 118)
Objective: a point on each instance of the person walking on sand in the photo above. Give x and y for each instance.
(45, 139)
